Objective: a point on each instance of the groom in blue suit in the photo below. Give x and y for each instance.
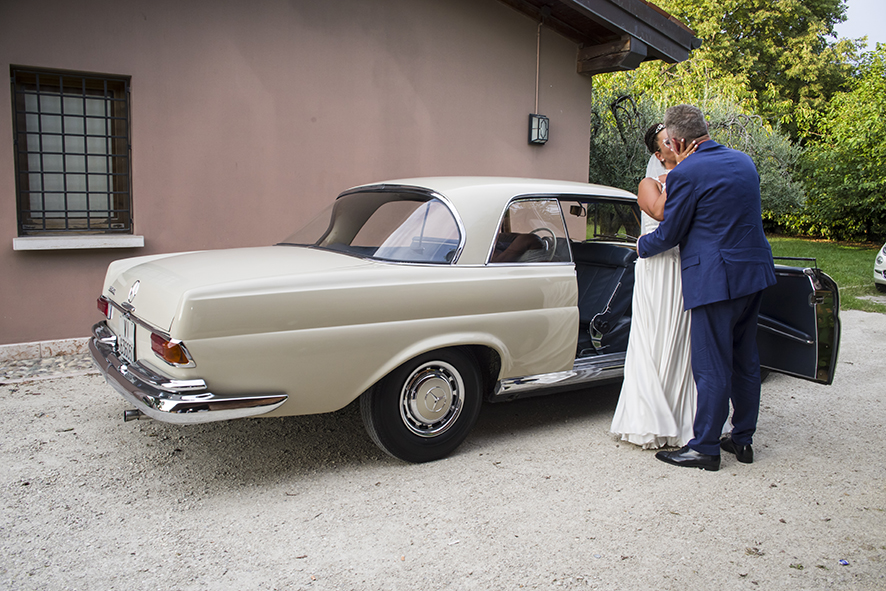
(713, 213)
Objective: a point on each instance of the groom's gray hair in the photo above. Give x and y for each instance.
(685, 121)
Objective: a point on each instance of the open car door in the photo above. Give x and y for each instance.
(798, 332)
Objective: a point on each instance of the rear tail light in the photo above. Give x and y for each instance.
(172, 352)
(104, 306)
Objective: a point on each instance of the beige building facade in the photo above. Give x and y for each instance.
(230, 123)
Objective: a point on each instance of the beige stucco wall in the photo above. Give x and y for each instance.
(247, 117)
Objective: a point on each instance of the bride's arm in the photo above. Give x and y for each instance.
(651, 198)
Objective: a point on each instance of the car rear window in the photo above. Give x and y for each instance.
(397, 226)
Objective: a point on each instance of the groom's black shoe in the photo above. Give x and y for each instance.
(743, 453)
(689, 458)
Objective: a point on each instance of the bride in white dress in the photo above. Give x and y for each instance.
(656, 407)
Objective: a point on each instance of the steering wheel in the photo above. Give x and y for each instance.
(549, 239)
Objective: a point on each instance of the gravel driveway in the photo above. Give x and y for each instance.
(539, 497)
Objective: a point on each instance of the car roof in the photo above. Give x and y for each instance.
(481, 201)
(502, 187)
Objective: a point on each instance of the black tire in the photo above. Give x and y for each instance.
(881, 287)
(425, 408)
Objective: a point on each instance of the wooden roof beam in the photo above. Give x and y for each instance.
(625, 54)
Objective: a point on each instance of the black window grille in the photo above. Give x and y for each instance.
(72, 152)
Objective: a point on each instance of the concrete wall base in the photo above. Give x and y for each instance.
(41, 349)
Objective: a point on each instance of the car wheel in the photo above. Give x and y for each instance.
(881, 287)
(424, 409)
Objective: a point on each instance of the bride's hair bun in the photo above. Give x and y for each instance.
(650, 139)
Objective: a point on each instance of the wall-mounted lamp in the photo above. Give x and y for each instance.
(538, 129)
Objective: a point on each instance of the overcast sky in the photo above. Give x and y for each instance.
(865, 17)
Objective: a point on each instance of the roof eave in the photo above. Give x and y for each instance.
(614, 34)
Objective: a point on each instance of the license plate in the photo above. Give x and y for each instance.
(126, 341)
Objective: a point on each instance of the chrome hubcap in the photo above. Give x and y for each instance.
(431, 398)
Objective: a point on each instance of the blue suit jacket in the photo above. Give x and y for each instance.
(713, 214)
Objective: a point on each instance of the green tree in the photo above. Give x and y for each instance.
(618, 156)
(772, 57)
(846, 166)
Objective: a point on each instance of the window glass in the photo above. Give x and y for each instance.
(531, 231)
(392, 226)
(598, 219)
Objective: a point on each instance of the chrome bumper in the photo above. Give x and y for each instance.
(168, 400)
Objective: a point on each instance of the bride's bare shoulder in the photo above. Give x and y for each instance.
(650, 183)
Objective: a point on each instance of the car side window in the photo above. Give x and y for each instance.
(600, 220)
(531, 231)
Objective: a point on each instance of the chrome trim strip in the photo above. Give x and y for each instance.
(128, 310)
(785, 334)
(585, 371)
(770, 325)
(170, 400)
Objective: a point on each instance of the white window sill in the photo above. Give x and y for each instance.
(77, 242)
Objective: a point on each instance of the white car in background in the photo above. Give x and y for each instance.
(880, 270)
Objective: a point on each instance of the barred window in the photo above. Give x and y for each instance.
(72, 153)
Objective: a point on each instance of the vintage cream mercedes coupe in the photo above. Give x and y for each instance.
(420, 297)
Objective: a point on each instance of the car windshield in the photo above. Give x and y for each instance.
(387, 225)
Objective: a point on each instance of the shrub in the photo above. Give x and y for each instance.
(845, 167)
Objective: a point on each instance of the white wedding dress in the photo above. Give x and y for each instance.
(656, 407)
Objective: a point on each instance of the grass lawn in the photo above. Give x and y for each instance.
(850, 265)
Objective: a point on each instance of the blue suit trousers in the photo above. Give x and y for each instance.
(726, 366)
